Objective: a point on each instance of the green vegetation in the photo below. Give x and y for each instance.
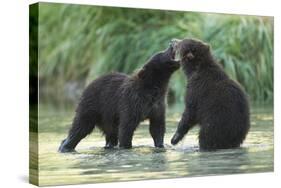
(80, 43)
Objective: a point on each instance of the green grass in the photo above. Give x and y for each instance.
(80, 43)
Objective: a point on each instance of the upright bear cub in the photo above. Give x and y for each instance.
(116, 103)
(213, 100)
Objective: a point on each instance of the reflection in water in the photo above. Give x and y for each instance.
(220, 162)
(96, 164)
(145, 159)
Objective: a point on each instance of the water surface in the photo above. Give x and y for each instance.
(93, 164)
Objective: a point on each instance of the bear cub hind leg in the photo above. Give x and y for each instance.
(81, 127)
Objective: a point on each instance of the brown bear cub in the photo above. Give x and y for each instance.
(116, 103)
(214, 101)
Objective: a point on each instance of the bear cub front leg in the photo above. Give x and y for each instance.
(157, 125)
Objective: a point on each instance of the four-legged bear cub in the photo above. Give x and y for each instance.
(116, 103)
(214, 101)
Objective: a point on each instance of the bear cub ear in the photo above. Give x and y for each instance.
(207, 46)
(141, 73)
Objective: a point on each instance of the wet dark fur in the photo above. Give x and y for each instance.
(214, 101)
(116, 103)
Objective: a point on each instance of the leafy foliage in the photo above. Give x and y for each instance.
(78, 42)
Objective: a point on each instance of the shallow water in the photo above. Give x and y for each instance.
(93, 164)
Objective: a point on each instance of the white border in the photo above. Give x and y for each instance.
(14, 89)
